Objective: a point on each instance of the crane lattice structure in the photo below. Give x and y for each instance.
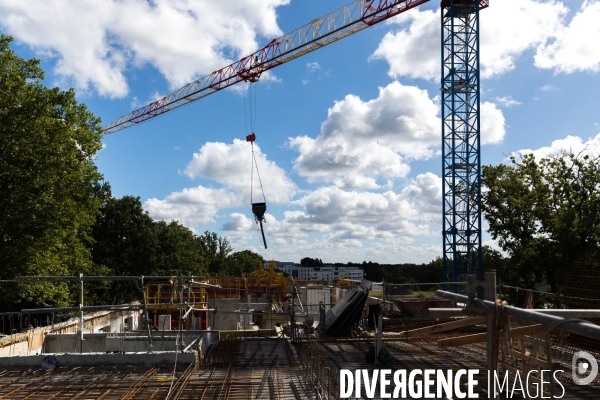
(460, 110)
(461, 161)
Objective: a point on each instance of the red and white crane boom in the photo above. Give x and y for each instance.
(351, 18)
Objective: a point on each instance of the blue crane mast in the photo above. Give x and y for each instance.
(461, 153)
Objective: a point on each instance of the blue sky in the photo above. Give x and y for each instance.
(348, 137)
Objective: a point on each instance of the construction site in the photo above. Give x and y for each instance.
(264, 335)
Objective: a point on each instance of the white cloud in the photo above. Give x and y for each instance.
(414, 50)
(405, 213)
(549, 88)
(532, 23)
(228, 164)
(508, 101)
(493, 124)
(96, 41)
(363, 141)
(390, 250)
(338, 225)
(313, 66)
(238, 222)
(192, 206)
(576, 47)
(570, 144)
(334, 217)
(224, 164)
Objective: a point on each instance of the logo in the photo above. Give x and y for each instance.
(584, 363)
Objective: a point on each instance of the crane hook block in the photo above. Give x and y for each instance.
(259, 209)
(251, 138)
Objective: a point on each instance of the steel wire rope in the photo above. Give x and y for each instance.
(255, 164)
(176, 344)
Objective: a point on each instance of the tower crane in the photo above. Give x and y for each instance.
(461, 161)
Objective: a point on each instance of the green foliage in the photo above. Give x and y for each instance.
(125, 237)
(48, 182)
(57, 218)
(310, 262)
(404, 273)
(244, 262)
(129, 243)
(544, 214)
(177, 252)
(215, 251)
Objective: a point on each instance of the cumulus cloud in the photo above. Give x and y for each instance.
(228, 164)
(353, 225)
(238, 222)
(413, 50)
(96, 41)
(223, 164)
(391, 250)
(570, 144)
(406, 213)
(192, 206)
(493, 124)
(508, 101)
(340, 225)
(576, 46)
(363, 141)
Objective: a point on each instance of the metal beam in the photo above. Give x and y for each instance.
(484, 307)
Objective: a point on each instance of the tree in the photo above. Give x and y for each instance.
(544, 214)
(48, 182)
(125, 244)
(177, 252)
(243, 262)
(311, 262)
(214, 250)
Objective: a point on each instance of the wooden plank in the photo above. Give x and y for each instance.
(481, 337)
(539, 362)
(461, 323)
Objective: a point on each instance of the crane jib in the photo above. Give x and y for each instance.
(334, 26)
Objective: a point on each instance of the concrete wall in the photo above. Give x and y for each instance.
(99, 359)
(104, 342)
(31, 342)
(311, 297)
(227, 319)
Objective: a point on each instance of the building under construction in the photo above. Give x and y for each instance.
(257, 337)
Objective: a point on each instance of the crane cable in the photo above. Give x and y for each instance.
(254, 164)
(258, 209)
(252, 111)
